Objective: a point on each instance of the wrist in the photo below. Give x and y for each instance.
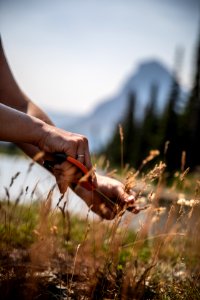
(22, 128)
(38, 131)
(42, 135)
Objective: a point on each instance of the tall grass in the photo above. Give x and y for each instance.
(51, 253)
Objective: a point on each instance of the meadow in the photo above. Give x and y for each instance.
(50, 252)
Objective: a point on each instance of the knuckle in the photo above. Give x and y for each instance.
(84, 139)
(73, 143)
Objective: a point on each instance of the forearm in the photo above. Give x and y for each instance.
(11, 95)
(35, 111)
(18, 127)
(25, 124)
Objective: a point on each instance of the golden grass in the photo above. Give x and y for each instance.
(156, 258)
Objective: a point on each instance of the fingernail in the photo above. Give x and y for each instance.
(130, 198)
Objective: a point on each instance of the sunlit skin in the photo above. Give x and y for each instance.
(25, 124)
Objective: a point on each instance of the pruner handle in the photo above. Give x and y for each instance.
(56, 159)
(59, 158)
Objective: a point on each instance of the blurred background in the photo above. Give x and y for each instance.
(125, 73)
(92, 65)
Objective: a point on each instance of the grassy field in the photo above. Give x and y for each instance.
(51, 253)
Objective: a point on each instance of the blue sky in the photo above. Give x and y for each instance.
(68, 55)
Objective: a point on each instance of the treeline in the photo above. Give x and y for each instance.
(174, 132)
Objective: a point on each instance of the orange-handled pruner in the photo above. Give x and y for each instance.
(58, 158)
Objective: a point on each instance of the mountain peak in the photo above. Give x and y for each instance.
(100, 124)
(152, 65)
(153, 69)
(148, 73)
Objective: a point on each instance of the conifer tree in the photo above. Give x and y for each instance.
(170, 129)
(170, 122)
(130, 132)
(149, 128)
(191, 119)
(113, 149)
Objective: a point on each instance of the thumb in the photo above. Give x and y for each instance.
(125, 197)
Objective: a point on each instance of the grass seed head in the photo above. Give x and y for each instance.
(156, 172)
(151, 156)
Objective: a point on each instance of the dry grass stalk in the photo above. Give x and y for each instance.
(131, 181)
(160, 232)
(38, 156)
(121, 134)
(182, 176)
(151, 156)
(156, 172)
(183, 161)
(74, 265)
(13, 179)
(197, 189)
(112, 173)
(166, 147)
(66, 222)
(42, 250)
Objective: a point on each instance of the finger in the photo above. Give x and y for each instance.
(71, 174)
(125, 198)
(94, 180)
(82, 148)
(62, 184)
(87, 161)
(65, 175)
(130, 200)
(80, 156)
(134, 210)
(71, 149)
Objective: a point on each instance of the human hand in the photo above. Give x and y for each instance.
(55, 140)
(109, 198)
(66, 174)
